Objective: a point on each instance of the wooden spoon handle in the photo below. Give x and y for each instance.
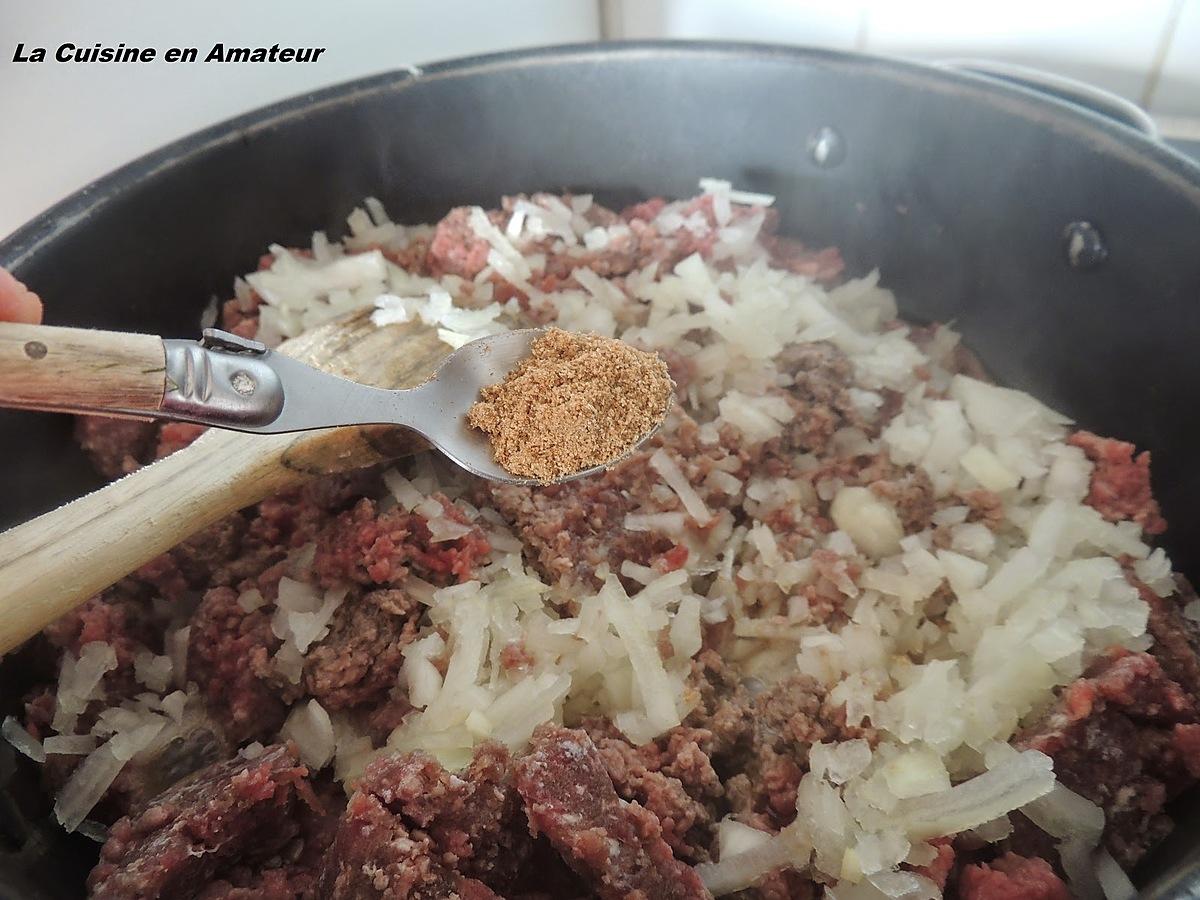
(51, 564)
(44, 367)
(55, 562)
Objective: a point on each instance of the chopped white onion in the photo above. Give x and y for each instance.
(251, 599)
(86, 786)
(128, 743)
(741, 870)
(871, 522)
(403, 490)
(309, 725)
(70, 744)
(14, 732)
(152, 670)
(1113, 880)
(1008, 786)
(1063, 814)
(676, 481)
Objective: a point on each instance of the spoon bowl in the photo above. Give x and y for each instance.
(440, 405)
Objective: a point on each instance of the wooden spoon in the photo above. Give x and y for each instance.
(55, 562)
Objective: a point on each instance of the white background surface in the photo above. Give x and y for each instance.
(1145, 50)
(64, 125)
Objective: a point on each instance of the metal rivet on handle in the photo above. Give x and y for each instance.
(243, 383)
(1084, 245)
(826, 147)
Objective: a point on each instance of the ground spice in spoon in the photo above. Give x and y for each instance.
(577, 401)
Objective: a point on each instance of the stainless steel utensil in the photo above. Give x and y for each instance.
(227, 381)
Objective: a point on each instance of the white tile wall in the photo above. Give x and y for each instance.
(64, 125)
(823, 23)
(1109, 43)
(1114, 44)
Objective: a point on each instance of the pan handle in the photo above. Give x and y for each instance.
(1081, 94)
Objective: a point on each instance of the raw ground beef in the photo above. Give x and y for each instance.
(820, 376)
(231, 651)
(1120, 486)
(456, 249)
(1176, 636)
(413, 830)
(573, 528)
(1011, 877)
(673, 778)
(758, 740)
(230, 658)
(234, 813)
(616, 847)
(370, 547)
(1120, 737)
(359, 660)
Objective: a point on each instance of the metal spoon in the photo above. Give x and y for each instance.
(230, 382)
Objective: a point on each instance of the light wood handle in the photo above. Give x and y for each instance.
(51, 564)
(45, 367)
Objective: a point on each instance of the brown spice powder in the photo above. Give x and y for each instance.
(577, 401)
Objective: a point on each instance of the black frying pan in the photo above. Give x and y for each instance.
(958, 187)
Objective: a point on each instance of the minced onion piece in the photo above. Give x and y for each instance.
(443, 528)
(70, 744)
(177, 649)
(787, 848)
(14, 732)
(743, 198)
(1113, 880)
(654, 684)
(894, 885)
(839, 761)
(1009, 785)
(734, 837)
(173, 705)
(309, 725)
(527, 704)
(152, 670)
(1062, 813)
(402, 489)
(127, 744)
(93, 830)
(687, 636)
(1078, 860)
(676, 481)
(86, 786)
(251, 600)
(667, 522)
(870, 521)
(81, 681)
(302, 615)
